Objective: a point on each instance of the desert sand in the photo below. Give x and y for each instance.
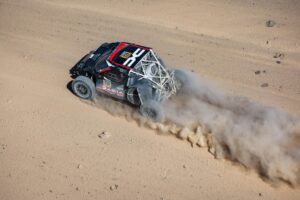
(49, 139)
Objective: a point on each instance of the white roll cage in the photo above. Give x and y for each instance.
(150, 67)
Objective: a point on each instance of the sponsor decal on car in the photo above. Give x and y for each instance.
(138, 52)
(125, 54)
(107, 87)
(106, 84)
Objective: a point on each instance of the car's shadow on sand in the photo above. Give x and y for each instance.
(69, 87)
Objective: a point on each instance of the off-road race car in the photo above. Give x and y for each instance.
(128, 72)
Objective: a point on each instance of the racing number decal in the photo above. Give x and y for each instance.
(106, 84)
(134, 56)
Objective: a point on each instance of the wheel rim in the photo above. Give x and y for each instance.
(82, 90)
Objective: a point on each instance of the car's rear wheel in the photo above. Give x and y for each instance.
(152, 110)
(84, 87)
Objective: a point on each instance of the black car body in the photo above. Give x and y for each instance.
(125, 71)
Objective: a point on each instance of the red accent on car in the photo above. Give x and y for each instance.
(104, 70)
(119, 47)
(124, 66)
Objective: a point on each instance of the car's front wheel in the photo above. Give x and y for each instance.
(84, 87)
(152, 110)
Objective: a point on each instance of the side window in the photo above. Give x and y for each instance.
(116, 75)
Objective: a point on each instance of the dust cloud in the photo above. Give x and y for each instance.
(259, 137)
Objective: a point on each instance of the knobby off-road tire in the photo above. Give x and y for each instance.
(84, 87)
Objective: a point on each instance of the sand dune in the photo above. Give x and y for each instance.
(49, 138)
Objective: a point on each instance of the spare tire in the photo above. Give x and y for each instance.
(152, 110)
(84, 87)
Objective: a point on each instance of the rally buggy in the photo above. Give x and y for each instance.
(128, 72)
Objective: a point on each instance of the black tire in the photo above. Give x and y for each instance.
(152, 110)
(84, 87)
